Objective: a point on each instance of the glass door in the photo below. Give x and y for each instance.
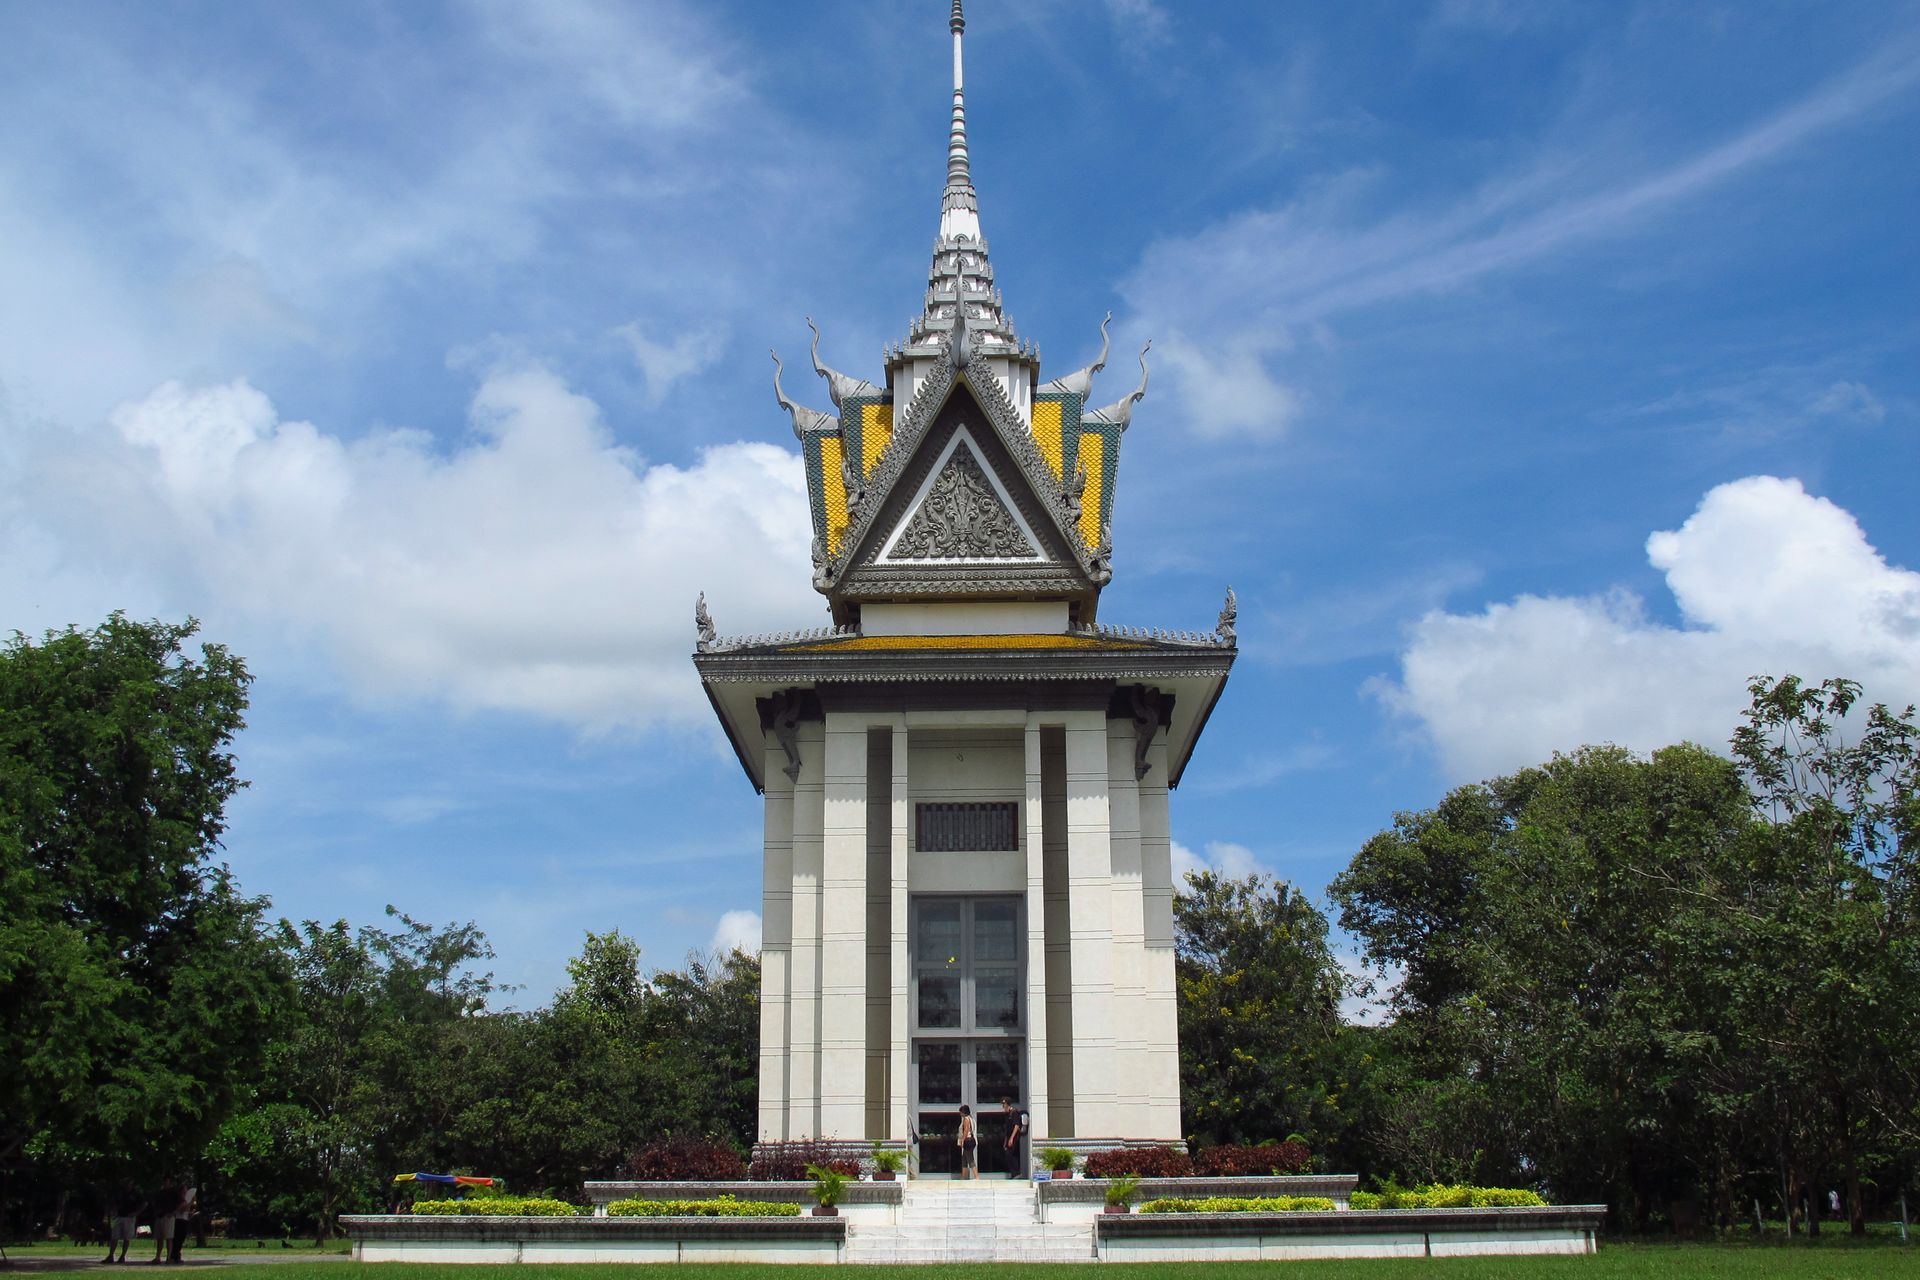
(966, 1008)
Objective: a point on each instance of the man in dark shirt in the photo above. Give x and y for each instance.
(1016, 1138)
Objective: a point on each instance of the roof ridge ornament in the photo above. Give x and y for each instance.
(1120, 412)
(804, 419)
(1080, 382)
(840, 386)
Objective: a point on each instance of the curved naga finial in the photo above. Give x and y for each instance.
(1120, 412)
(703, 622)
(839, 385)
(1229, 614)
(804, 419)
(1081, 382)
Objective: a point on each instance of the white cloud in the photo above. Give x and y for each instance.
(1223, 858)
(1234, 291)
(1849, 400)
(665, 363)
(1770, 580)
(1228, 390)
(538, 567)
(737, 930)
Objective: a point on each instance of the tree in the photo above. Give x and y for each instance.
(136, 985)
(1828, 908)
(1543, 1004)
(361, 1073)
(1261, 1041)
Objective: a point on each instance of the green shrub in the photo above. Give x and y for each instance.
(724, 1207)
(1241, 1204)
(1120, 1190)
(1442, 1196)
(1058, 1159)
(497, 1207)
(829, 1184)
(888, 1159)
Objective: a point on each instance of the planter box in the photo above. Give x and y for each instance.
(405, 1238)
(1354, 1233)
(825, 1211)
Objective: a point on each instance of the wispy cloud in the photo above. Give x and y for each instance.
(1241, 287)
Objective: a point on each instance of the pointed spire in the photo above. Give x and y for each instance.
(959, 207)
(961, 275)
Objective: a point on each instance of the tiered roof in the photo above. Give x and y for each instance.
(1020, 506)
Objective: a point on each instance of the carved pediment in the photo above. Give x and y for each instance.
(962, 514)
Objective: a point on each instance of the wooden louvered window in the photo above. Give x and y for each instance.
(967, 828)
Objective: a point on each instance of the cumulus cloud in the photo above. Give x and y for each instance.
(539, 566)
(1227, 860)
(737, 931)
(1768, 578)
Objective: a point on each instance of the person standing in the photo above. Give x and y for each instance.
(1016, 1134)
(969, 1144)
(123, 1210)
(166, 1209)
(183, 1219)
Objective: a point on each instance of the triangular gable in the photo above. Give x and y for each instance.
(948, 413)
(962, 514)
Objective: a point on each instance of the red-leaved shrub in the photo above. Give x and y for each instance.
(1253, 1162)
(1139, 1162)
(686, 1159)
(788, 1161)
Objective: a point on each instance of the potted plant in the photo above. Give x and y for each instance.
(886, 1163)
(1058, 1161)
(828, 1186)
(1120, 1193)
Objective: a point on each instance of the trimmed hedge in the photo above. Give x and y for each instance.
(788, 1161)
(686, 1159)
(1241, 1204)
(497, 1207)
(724, 1207)
(1441, 1196)
(1139, 1162)
(1253, 1162)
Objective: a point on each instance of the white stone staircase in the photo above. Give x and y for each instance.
(989, 1220)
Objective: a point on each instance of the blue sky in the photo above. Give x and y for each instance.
(1535, 372)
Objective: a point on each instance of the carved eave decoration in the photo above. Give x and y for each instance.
(1060, 566)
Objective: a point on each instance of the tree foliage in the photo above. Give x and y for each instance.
(137, 988)
(1657, 980)
(1261, 1046)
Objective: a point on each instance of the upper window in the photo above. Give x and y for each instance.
(962, 828)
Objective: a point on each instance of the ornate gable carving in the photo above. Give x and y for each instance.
(962, 517)
(898, 546)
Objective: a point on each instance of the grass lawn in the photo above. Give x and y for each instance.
(1833, 1258)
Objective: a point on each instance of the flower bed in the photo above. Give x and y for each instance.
(1441, 1196)
(496, 1207)
(722, 1207)
(1240, 1204)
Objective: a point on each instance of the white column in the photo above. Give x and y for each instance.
(1034, 835)
(1090, 908)
(776, 944)
(902, 1035)
(1131, 1084)
(843, 930)
(803, 1020)
(1162, 1016)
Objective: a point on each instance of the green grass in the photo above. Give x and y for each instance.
(1834, 1258)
